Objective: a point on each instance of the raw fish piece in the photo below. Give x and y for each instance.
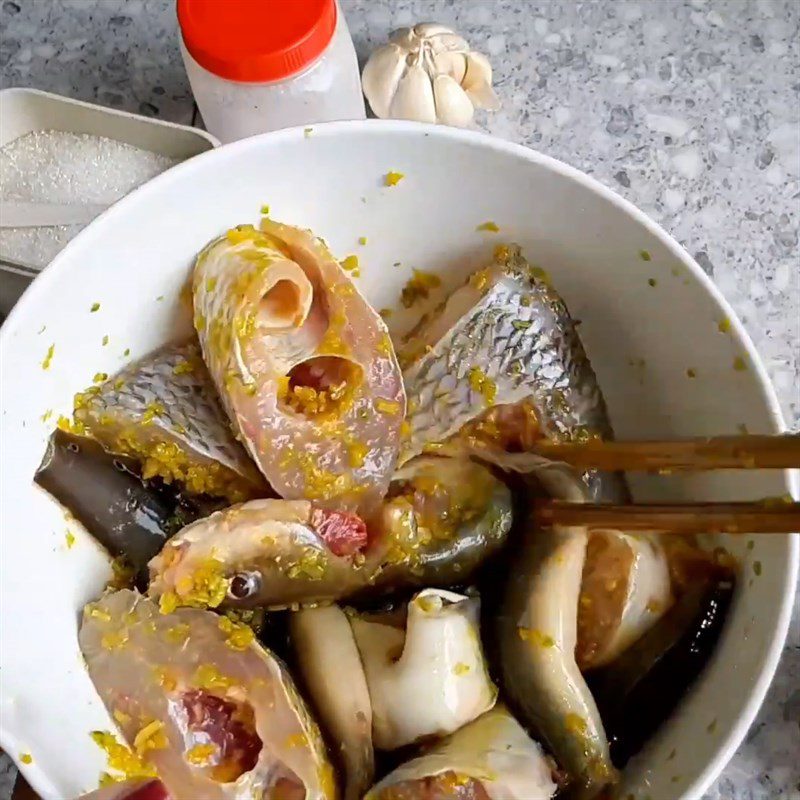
(128, 515)
(164, 411)
(502, 339)
(492, 758)
(625, 589)
(537, 636)
(428, 678)
(201, 703)
(327, 657)
(272, 553)
(443, 518)
(303, 364)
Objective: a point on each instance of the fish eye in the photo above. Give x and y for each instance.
(244, 585)
(73, 447)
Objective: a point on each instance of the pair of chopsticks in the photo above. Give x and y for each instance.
(772, 515)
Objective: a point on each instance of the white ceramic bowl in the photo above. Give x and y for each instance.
(641, 339)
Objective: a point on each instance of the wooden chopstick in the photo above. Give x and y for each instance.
(719, 452)
(761, 517)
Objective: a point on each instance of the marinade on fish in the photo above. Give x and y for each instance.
(163, 410)
(442, 519)
(130, 516)
(491, 758)
(270, 553)
(503, 339)
(304, 366)
(625, 590)
(536, 640)
(202, 705)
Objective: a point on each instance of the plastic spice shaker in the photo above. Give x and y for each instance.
(260, 65)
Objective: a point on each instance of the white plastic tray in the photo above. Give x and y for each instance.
(25, 110)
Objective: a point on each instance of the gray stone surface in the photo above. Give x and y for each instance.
(691, 110)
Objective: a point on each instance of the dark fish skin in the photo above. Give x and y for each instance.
(424, 493)
(504, 337)
(536, 630)
(129, 516)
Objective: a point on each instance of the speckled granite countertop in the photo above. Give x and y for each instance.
(688, 108)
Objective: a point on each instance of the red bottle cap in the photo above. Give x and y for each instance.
(256, 41)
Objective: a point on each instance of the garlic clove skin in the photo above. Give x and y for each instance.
(381, 76)
(447, 43)
(477, 82)
(425, 29)
(439, 37)
(406, 39)
(414, 97)
(452, 64)
(453, 107)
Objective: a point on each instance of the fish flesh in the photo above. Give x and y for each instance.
(442, 519)
(304, 366)
(491, 758)
(504, 338)
(130, 516)
(325, 651)
(429, 677)
(625, 590)
(164, 411)
(202, 705)
(537, 636)
(270, 553)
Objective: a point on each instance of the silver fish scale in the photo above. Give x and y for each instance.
(521, 337)
(192, 415)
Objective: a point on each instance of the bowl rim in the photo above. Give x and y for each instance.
(772, 653)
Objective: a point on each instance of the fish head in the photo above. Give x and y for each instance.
(261, 553)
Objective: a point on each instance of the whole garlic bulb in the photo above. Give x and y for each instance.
(428, 73)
